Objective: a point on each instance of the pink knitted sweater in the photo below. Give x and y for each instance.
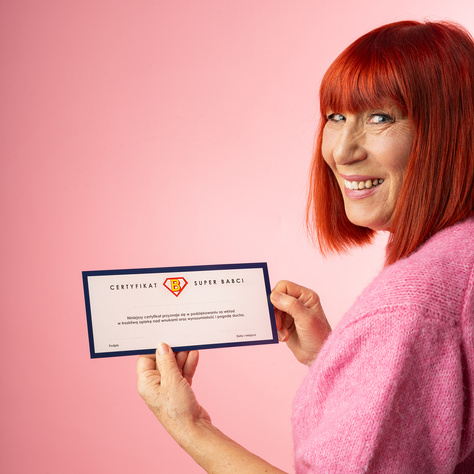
(392, 390)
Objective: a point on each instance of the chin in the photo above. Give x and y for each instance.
(379, 224)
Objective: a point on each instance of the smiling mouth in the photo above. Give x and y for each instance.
(368, 184)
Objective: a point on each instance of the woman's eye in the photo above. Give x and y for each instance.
(380, 118)
(336, 118)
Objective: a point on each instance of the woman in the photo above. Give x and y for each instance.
(392, 388)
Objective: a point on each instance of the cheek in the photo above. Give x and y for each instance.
(401, 149)
(398, 167)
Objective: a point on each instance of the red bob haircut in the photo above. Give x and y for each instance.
(427, 70)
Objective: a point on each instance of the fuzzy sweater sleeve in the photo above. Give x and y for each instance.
(387, 397)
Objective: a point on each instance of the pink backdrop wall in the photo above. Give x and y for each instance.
(151, 133)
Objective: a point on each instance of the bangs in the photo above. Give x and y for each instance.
(362, 80)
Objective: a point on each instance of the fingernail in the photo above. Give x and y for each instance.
(275, 296)
(162, 349)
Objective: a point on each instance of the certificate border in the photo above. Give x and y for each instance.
(194, 268)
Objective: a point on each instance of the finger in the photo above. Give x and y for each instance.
(167, 365)
(281, 330)
(288, 287)
(288, 325)
(289, 304)
(181, 359)
(147, 374)
(306, 296)
(189, 368)
(278, 319)
(283, 335)
(282, 327)
(146, 362)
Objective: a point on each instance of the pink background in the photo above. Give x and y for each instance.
(151, 133)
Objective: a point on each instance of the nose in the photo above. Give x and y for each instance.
(349, 146)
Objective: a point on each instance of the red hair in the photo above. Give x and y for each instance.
(427, 70)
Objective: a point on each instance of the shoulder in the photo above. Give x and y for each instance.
(435, 280)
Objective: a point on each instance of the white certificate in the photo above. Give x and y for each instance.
(132, 311)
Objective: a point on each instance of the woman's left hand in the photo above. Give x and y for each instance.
(300, 320)
(164, 383)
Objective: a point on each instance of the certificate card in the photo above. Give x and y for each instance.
(132, 311)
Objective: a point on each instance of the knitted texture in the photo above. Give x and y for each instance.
(392, 390)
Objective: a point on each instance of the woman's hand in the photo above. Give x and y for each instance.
(300, 320)
(164, 383)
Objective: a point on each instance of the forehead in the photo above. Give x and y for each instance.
(353, 86)
(356, 100)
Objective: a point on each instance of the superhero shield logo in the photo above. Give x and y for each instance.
(175, 285)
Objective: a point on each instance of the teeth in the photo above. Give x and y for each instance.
(370, 183)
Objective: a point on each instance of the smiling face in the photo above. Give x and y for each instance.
(368, 152)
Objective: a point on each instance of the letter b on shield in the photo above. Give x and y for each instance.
(175, 285)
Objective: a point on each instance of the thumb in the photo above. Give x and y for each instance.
(166, 364)
(288, 304)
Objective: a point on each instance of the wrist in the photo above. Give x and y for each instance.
(215, 452)
(188, 432)
(196, 432)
